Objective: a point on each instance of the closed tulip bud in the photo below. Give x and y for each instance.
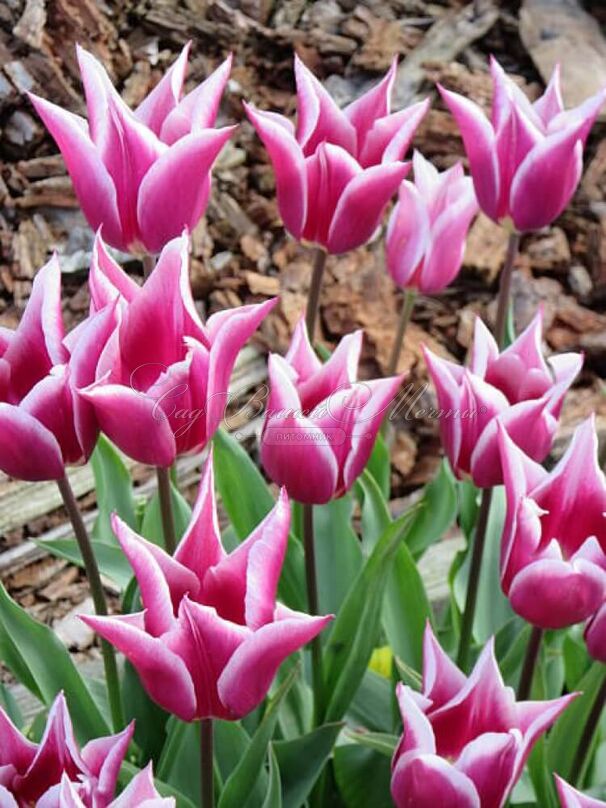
(44, 425)
(465, 739)
(144, 175)
(319, 418)
(527, 160)
(337, 170)
(517, 387)
(553, 551)
(571, 798)
(211, 636)
(161, 383)
(426, 235)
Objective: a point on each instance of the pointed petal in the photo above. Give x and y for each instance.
(390, 138)
(106, 279)
(142, 792)
(417, 733)
(595, 635)
(442, 679)
(571, 798)
(550, 103)
(338, 373)
(15, 749)
(489, 762)
(301, 355)
(407, 236)
(428, 781)
(484, 349)
(104, 757)
(163, 99)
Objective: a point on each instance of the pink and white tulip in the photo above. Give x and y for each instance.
(516, 387)
(162, 381)
(321, 419)
(337, 169)
(571, 798)
(44, 425)
(527, 160)
(425, 239)
(211, 636)
(465, 739)
(595, 634)
(39, 773)
(553, 551)
(143, 176)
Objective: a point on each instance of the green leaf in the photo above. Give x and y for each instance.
(338, 552)
(363, 776)
(379, 465)
(273, 798)
(128, 771)
(240, 783)
(10, 706)
(247, 500)
(302, 760)
(113, 489)
(355, 629)
(437, 513)
(179, 763)
(41, 662)
(150, 719)
(382, 742)
(372, 705)
(151, 526)
(110, 557)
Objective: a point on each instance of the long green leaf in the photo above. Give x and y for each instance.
(113, 489)
(273, 798)
(338, 552)
(363, 776)
(110, 558)
(302, 760)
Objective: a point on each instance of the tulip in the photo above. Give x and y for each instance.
(465, 739)
(143, 175)
(426, 234)
(595, 635)
(34, 773)
(139, 793)
(517, 387)
(571, 798)
(553, 552)
(527, 160)
(338, 169)
(162, 380)
(40, 371)
(211, 636)
(319, 418)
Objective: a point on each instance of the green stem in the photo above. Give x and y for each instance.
(505, 288)
(312, 604)
(206, 763)
(112, 679)
(313, 297)
(584, 746)
(530, 662)
(166, 509)
(408, 304)
(479, 541)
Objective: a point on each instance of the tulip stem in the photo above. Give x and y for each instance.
(166, 509)
(588, 733)
(504, 298)
(408, 304)
(473, 582)
(530, 662)
(313, 297)
(112, 680)
(207, 777)
(312, 604)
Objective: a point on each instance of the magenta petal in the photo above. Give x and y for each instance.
(337, 374)
(407, 236)
(361, 205)
(42, 460)
(442, 679)
(489, 762)
(289, 167)
(162, 100)
(417, 732)
(390, 137)
(595, 635)
(550, 103)
(248, 675)
(6, 799)
(106, 279)
(301, 355)
(51, 403)
(15, 749)
(571, 798)
(104, 757)
(141, 792)
(428, 781)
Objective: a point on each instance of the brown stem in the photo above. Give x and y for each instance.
(112, 679)
(588, 732)
(312, 604)
(313, 297)
(530, 661)
(473, 582)
(505, 288)
(166, 509)
(206, 763)
(408, 305)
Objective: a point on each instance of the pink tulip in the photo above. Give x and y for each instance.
(337, 170)
(44, 425)
(517, 387)
(465, 739)
(527, 160)
(595, 634)
(33, 773)
(143, 175)
(426, 235)
(571, 798)
(211, 636)
(553, 552)
(320, 419)
(162, 380)
(139, 793)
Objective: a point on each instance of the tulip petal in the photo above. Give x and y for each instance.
(550, 103)
(104, 757)
(595, 635)
(106, 279)
(489, 762)
(50, 402)
(361, 205)
(571, 798)
(141, 791)
(391, 136)
(428, 781)
(248, 675)
(407, 236)
(163, 99)
(417, 732)
(373, 104)
(301, 355)
(42, 460)
(442, 679)
(15, 749)
(335, 375)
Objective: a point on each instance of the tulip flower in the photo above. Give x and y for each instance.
(553, 552)
(211, 636)
(595, 634)
(527, 160)
(40, 371)
(144, 175)
(319, 418)
(465, 739)
(162, 381)
(337, 170)
(426, 234)
(517, 386)
(34, 773)
(571, 798)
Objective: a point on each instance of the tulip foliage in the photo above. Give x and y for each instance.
(275, 644)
